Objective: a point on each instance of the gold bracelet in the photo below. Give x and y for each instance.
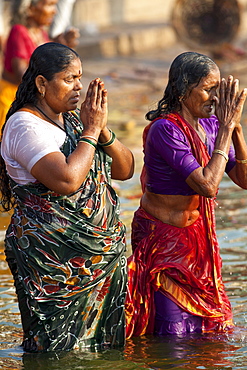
(218, 151)
(243, 161)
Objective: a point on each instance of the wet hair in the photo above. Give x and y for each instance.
(186, 72)
(19, 11)
(46, 60)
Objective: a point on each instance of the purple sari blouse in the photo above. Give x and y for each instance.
(169, 159)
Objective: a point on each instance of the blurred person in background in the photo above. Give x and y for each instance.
(30, 20)
(62, 19)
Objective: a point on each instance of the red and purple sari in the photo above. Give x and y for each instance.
(183, 264)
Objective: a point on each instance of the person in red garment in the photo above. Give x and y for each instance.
(29, 22)
(194, 137)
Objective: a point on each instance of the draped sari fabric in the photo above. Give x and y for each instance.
(67, 257)
(183, 263)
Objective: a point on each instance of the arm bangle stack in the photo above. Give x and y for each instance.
(218, 151)
(242, 161)
(85, 140)
(110, 141)
(89, 137)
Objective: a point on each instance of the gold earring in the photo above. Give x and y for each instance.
(42, 94)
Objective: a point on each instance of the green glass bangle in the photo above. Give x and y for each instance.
(89, 137)
(110, 141)
(85, 140)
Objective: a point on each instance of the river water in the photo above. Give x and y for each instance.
(133, 92)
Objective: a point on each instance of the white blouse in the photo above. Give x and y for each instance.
(26, 139)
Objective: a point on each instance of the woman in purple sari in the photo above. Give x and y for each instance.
(65, 245)
(175, 282)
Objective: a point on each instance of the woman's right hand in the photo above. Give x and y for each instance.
(69, 38)
(229, 104)
(94, 109)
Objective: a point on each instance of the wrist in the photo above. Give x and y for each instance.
(238, 128)
(107, 140)
(225, 128)
(93, 134)
(105, 135)
(224, 137)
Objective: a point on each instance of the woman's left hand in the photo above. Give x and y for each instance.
(94, 109)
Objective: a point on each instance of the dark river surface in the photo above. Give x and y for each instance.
(134, 85)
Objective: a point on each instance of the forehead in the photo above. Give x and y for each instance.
(213, 78)
(75, 65)
(73, 68)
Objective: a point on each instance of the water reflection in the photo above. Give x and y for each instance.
(107, 360)
(191, 352)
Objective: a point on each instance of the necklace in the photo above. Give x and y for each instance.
(45, 115)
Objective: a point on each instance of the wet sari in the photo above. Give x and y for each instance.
(182, 263)
(66, 254)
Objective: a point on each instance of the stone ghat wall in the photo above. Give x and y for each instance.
(104, 13)
(94, 15)
(122, 27)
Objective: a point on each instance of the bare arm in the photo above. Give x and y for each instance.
(122, 158)
(239, 172)
(19, 66)
(205, 181)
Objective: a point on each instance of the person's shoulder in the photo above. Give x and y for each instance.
(17, 29)
(163, 123)
(21, 118)
(165, 127)
(166, 124)
(18, 123)
(22, 114)
(17, 32)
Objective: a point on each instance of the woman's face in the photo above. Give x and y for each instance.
(199, 103)
(62, 93)
(42, 13)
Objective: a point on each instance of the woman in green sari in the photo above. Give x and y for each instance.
(65, 244)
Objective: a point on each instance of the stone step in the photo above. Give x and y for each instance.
(125, 39)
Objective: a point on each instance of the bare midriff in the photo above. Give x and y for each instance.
(176, 210)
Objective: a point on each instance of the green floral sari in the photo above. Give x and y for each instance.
(66, 254)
